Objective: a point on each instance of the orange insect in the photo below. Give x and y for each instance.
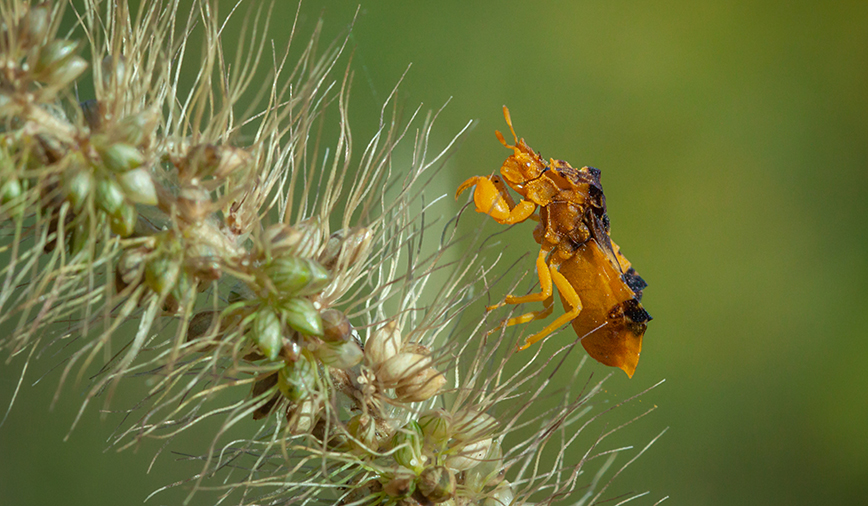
(599, 289)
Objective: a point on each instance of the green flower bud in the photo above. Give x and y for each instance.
(109, 196)
(267, 333)
(78, 237)
(302, 316)
(161, 274)
(408, 447)
(67, 72)
(363, 429)
(121, 157)
(78, 186)
(437, 484)
(123, 223)
(12, 197)
(339, 355)
(55, 54)
(294, 276)
(10, 190)
(139, 186)
(297, 380)
(435, 427)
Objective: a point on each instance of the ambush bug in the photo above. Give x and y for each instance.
(599, 290)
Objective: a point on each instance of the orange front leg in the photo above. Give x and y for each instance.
(492, 198)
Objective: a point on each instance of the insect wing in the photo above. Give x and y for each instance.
(612, 321)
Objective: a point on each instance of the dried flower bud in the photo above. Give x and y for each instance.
(282, 238)
(401, 485)
(302, 316)
(297, 380)
(123, 222)
(260, 388)
(407, 443)
(202, 261)
(383, 344)
(212, 160)
(302, 239)
(346, 248)
(437, 484)
(340, 355)
(109, 195)
(421, 387)
(487, 473)
(336, 327)
(502, 495)
(293, 276)
(113, 70)
(35, 24)
(469, 425)
(267, 333)
(231, 159)
(120, 157)
(93, 112)
(194, 203)
(413, 347)
(200, 324)
(139, 186)
(47, 150)
(137, 129)
(130, 267)
(468, 456)
(302, 416)
(403, 367)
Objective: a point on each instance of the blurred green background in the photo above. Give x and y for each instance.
(733, 142)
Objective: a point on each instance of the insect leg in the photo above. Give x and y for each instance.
(570, 297)
(545, 282)
(548, 306)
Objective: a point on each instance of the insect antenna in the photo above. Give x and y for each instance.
(508, 122)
